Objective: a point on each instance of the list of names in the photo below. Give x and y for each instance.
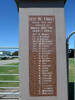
(42, 56)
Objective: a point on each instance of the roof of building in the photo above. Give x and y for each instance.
(18, 1)
(39, 0)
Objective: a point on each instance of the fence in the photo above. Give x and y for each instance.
(9, 73)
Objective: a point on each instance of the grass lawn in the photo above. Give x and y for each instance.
(71, 70)
(14, 70)
(71, 79)
(9, 70)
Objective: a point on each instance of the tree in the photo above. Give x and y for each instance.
(15, 53)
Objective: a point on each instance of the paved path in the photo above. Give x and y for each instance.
(2, 62)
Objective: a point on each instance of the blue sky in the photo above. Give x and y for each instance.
(9, 22)
(70, 20)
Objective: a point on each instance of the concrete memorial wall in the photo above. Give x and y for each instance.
(43, 74)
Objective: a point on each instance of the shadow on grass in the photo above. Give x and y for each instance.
(71, 91)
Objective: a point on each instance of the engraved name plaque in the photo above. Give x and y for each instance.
(42, 56)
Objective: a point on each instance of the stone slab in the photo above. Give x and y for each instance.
(60, 52)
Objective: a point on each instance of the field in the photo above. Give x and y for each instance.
(71, 79)
(71, 70)
(4, 69)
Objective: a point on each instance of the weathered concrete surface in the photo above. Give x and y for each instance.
(60, 52)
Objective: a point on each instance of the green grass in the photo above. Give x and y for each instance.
(13, 64)
(14, 70)
(9, 70)
(71, 70)
(71, 79)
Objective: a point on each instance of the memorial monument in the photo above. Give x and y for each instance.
(43, 73)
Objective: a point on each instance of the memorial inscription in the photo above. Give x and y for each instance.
(42, 56)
